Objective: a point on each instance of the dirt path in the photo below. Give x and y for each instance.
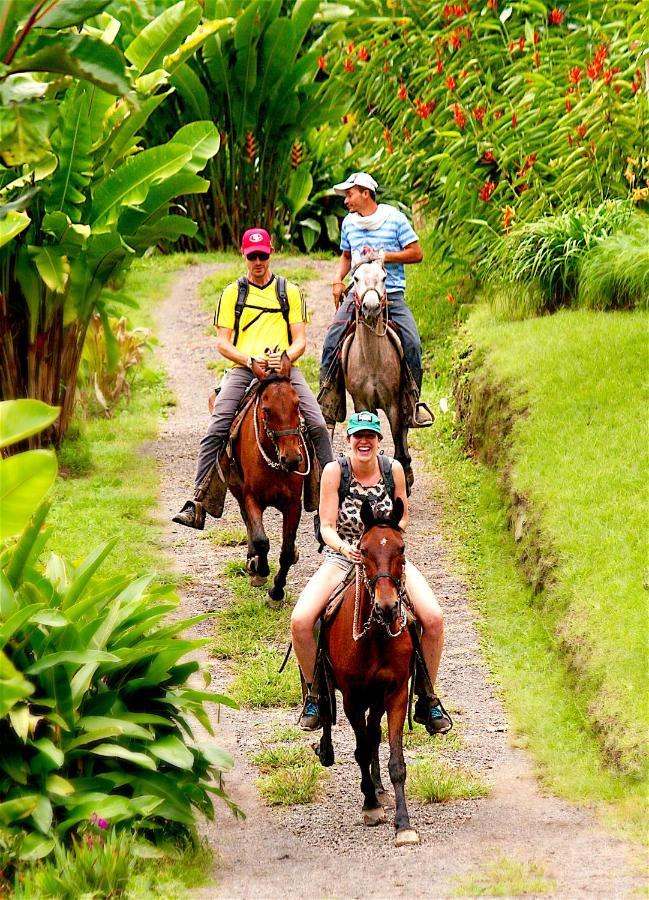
(323, 850)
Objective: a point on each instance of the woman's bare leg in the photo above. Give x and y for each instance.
(310, 604)
(429, 615)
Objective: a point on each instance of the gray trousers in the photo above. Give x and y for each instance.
(401, 315)
(225, 409)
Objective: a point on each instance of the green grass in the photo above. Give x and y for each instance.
(505, 877)
(580, 458)
(285, 734)
(434, 780)
(271, 758)
(110, 484)
(310, 367)
(292, 786)
(226, 537)
(247, 624)
(258, 683)
(451, 742)
(211, 287)
(514, 624)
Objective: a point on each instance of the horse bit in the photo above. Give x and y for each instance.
(273, 435)
(370, 584)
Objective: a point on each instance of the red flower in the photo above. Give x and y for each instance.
(636, 85)
(492, 4)
(511, 47)
(459, 116)
(402, 93)
(617, 88)
(478, 113)
(536, 39)
(451, 83)
(521, 44)
(423, 110)
(607, 76)
(439, 64)
(514, 120)
(487, 190)
(350, 48)
(388, 139)
(363, 55)
(464, 73)
(385, 67)
(529, 162)
(348, 65)
(556, 17)
(574, 75)
(581, 130)
(450, 298)
(522, 188)
(568, 105)
(488, 156)
(537, 59)
(406, 132)
(322, 63)
(570, 139)
(455, 40)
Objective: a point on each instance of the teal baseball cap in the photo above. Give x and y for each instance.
(364, 421)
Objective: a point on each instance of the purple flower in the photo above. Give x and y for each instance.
(102, 823)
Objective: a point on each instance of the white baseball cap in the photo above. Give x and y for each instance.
(356, 179)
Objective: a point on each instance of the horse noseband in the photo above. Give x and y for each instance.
(274, 435)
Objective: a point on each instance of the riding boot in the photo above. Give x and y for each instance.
(419, 414)
(212, 490)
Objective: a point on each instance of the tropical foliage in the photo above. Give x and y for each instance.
(496, 112)
(79, 196)
(96, 704)
(260, 82)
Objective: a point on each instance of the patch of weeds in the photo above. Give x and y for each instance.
(450, 742)
(506, 878)
(293, 786)
(218, 366)
(171, 877)
(235, 569)
(434, 780)
(226, 537)
(310, 368)
(299, 274)
(271, 758)
(75, 455)
(285, 734)
(211, 287)
(258, 682)
(245, 625)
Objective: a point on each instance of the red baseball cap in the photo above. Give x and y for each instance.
(256, 239)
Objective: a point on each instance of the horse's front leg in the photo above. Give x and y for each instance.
(374, 736)
(373, 812)
(396, 705)
(288, 555)
(399, 431)
(258, 562)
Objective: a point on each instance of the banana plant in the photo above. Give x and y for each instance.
(80, 195)
(96, 701)
(259, 81)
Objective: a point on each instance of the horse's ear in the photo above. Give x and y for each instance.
(285, 368)
(397, 511)
(257, 370)
(367, 514)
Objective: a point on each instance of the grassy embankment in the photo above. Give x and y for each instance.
(566, 435)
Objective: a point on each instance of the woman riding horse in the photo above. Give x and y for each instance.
(341, 528)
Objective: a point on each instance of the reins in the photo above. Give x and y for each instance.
(370, 584)
(283, 432)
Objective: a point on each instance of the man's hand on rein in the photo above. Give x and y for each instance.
(337, 289)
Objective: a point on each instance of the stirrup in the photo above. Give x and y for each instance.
(423, 416)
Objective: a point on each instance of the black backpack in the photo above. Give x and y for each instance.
(243, 289)
(385, 464)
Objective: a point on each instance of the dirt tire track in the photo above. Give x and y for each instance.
(323, 850)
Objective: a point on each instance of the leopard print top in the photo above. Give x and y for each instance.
(348, 523)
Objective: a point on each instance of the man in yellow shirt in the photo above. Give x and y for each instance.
(262, 333)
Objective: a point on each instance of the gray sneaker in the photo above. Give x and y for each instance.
(310, 718)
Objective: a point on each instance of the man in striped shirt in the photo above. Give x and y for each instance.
(371, 227)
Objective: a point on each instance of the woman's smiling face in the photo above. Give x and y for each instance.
(364, 444)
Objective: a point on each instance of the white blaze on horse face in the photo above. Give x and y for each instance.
(369, 283)
(383, 542)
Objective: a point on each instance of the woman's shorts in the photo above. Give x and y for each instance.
(337, 559)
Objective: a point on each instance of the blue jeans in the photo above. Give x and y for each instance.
(400, 314)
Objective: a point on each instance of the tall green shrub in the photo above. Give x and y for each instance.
(79, 197)
(97, 704)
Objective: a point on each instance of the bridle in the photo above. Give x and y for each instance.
(370, 583)
(273, 434)
(382, 321)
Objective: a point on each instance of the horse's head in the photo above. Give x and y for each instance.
(369, 288)
(383, 559)
(279, 414)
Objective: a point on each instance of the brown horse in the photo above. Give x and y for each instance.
(367, 655)
(270, 461)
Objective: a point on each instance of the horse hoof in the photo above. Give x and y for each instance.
(406, 838)
(271, 602)
(258, 580)
(385, 799)
(373, 817)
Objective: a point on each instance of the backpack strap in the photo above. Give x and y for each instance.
(345, 477)
(243, 288)
(281, 289)
(385, 464)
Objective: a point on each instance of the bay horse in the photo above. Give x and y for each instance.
(371, 357)
(270, 461)
(366, 653)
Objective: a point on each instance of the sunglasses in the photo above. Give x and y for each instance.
(255, 256)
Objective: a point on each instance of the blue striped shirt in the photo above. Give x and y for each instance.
(393, 235)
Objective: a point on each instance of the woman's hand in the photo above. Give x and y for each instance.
(350, 552)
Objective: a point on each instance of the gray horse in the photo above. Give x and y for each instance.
(372, 355)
